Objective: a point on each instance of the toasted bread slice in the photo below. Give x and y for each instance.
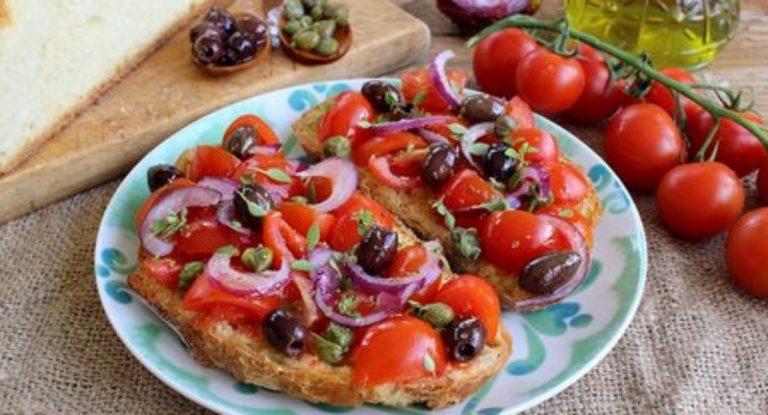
(414, 207)
(252, 360)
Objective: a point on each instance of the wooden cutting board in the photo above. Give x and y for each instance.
(167, 92)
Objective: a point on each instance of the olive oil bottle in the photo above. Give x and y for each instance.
(687, 33)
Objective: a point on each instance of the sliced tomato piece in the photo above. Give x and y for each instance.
(264, 133)
(346, 232)
(202, 295)
(301, 217)
(203, 234)
(468, 189)
(358, 202)
(408, 163)
(472, 296)
(542, 147)
(381, 169)
(407, 262)
(284, 241)
(568, 183)
(319, 187)
(164, 270)
(418, 83)
(256, 168)
(156, 196)
(521, 112)
(386, 144)
(209, 161)
(350, 108)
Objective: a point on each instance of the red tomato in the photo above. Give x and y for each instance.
(762, 183)
(301, 217)
(202, 295)
(386, 144)
(205, 161)
(282, 239)
(444, 129)
(521, 112)
(164, 270)
(156, 196)
(346, 233)
(255, 168)
(394, 350)
(408, 163)
(203, 234)
(663, 97)
(472, 296)
(736, 147)
(321, 186)
(467, 189)
(418, 82)
(358, 202)
(264, 133)
(350, 108)
(512, 238)
(601, 97)
(548, 82)
(700, 200)
(381, 169)
(497, 56)
(568, 183)
(746, 252)
(642, 144)
(571, 215)
(542, 142)
(408, 261)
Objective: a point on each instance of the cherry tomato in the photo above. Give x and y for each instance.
(208, 161)
(408, 163)
(663, 97)
(467, 189)
(203, 234)
(386, 144)
(156, 196)
(746, 252)
(264, 133)
(543, 145)
(349, 109)
(202, 295)
(700, 200)
(346, 233)
(395, 350)
(601, 97)
(521, 112)
(642, 144)
(282, 239)
(548, 82)
(512, 238)
(762, 183)
(358, 202)
(407, 262)
(418, 82)
(256, 167)
(301, 217)
(164, 270)
(320, 188)
(567, 182)
(472, 296)
(497, 56)
(381, 169)
(737, 148)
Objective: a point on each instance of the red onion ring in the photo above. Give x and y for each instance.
(320, 256)
(440, 79)
(220, 272)
(473, 134)
(226, 215)
(529, 175)
(227, 187)
(433, 137)
(492, 8)
(424, 276)
(173, 202)
(343, 177)
(408, 124)
(579, 245)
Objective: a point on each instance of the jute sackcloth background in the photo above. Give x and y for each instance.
(697, 345)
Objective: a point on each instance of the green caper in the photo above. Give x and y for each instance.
(306, 21)
(293, 9)
(317, 12)
(337, 146)
(466, 242)
(311, 3)
(339, 13)
(333, 344)
(257, 259)
(327, 47)
(293, 27)
(438, 315)
(326, 28)
(307, 39)
(189, 273)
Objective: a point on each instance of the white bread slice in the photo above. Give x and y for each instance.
(56, 57)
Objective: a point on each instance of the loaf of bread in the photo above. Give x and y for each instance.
(57, 56)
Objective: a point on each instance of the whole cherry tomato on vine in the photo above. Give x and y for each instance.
(736, 147)
(601, 96)
(746, 252)
(548, 82)
(496, 58)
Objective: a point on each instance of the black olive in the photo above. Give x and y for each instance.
(208, 48)
(228, 58)
(260, 203)
(162, 174)
(381, 95)
(201, 29)
(545, 274)
(241, 141)
(377, 250)
(482, 108)
(243, 45)
(254, 29)
(222, 19)
(465, 339)
(498, 164)
(438, 164)
(284, 332)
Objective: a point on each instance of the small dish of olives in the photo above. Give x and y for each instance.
(314, 31)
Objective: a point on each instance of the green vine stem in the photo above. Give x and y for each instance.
(635, 61)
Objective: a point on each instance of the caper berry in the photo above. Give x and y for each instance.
(498, 164)
(252, 203)
(545, 274)
(327, 46)
(293, 9)
(438, 164)
(337, 146)
(162, 174)
(482, 108)
(293, 27)
(221, 19)
(377, 250)
(208, 48)
(284, 332)
(317, 12)
(241, 141)
(383, 96)
(307, 39)
(326, 28)
(465, 339)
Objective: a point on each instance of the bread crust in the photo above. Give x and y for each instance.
(250, 359)
(95, 93)
(414, 208)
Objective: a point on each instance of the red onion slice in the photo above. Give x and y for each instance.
(424, 276)
(226, 186)
(473, 134)
(173, 202)
(492, 8)
(220, 271)
(409, 124)
(343, 177)
(433, 137)
(528, 176)
(226, 215)
(440, 79)
(320, 256)
(580, 246)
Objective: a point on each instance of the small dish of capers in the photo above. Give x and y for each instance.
(314, 31)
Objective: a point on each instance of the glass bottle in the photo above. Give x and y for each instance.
(687, 33)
